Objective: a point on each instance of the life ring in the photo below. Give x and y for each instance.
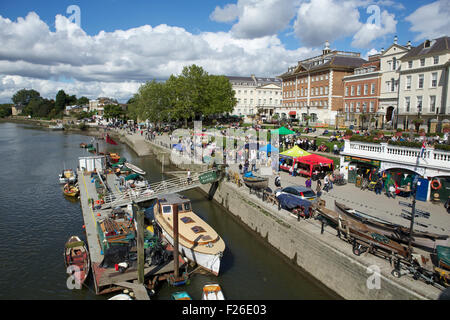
(434, 186)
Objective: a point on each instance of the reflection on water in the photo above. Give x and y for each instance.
(37, 219)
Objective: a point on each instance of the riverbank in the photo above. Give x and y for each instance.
(324, 256)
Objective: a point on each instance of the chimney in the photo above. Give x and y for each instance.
(408, 45)
(395, 40)
(327, 48)
(382, 50)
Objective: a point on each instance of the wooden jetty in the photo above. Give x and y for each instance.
(107, 280)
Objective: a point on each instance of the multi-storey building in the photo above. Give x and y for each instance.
(255, 95)
(361, 95)
(314, 88)
(424, 89)
(389, 91)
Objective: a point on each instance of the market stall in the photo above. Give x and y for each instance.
(314, 165)
(290, 157)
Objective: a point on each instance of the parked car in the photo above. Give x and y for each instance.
(302, 192)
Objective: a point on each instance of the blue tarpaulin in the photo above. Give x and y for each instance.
(290, 202)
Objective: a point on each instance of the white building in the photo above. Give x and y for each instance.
(255, 94)
(424, 89)
(389, 88)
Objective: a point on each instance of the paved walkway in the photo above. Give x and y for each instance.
(364, 201)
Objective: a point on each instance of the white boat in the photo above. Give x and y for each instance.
(67, 176)
(134, 168)
(121, 296)
(212, 292)
(197, 241)
(58, 126)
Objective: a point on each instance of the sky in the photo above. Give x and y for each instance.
(111, 47)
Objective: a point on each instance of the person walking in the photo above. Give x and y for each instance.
(319, 188)
(308, 183)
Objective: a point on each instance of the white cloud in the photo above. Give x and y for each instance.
(31, 55)
(431, 20)
(371, 31)
(371, 52)
(321, 20)
(256, 18)
(228, 13)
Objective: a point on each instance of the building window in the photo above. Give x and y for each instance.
(326, 90)
(407, 104)
(364, 107)
(353, 90)
(346, 91)
(326, 76)
(346, 107)
(419, 103)
(422, 62)
(372, 106)
(351, 106)
(357, 107)
(372, 88)
(394, 63)
(408, 83)
(358, 90)
(420, 83)
(321, 90)
(434, 80)
(433, 104)
(410, 64)
(366, 89)
(436, 60)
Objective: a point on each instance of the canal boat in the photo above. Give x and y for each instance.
(255, 182)
(181, 295)
(76, 257)
(134, 168)
(114, 157)
(71, 190)
(67, 176)
(198, 242)
(212, 292)
(421, 239)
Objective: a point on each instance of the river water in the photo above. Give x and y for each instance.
(36, 220)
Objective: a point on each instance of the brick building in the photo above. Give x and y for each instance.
(315, 88)
(361, 96)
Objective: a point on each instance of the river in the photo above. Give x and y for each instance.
(37, 220)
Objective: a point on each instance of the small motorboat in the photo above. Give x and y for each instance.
(71, 190)
(76, 254)
(181, 295)
(92, 149)
(255, 182)
(134, 168)
(58, 126)
(212, 292)
(114, 157)
(67, 176)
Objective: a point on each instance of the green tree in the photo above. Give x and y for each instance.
(113, 111)
(82, 101)
(60, 101)
(5, 110)
(24, 96)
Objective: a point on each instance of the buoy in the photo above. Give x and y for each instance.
(98, 214)
(84, 227)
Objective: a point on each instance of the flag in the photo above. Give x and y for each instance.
(109, 140)
(422, 151)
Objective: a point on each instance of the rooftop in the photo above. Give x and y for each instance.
(428, 47)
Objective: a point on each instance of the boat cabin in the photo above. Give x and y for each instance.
(166, 202)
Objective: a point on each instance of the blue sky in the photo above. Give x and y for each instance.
(42, 49)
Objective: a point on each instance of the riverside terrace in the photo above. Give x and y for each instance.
(302, 241)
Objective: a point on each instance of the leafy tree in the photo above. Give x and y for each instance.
(82, 101)
(5, 110)
(60, 101)
(113, 111)
(24, 96)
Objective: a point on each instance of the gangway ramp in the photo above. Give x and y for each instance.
(154, 190)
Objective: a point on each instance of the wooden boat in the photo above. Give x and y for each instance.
(134, 168)
(181, 295)
(212, 292)
(256, 182)
(121, 296)
(58, 126)
(76, 254)
(424, 240)
(197, 240)
(71, 190)
(359, 233)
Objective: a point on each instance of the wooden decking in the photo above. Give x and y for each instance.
(107, 278)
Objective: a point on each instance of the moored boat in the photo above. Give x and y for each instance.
(424, 240)
(71, 190)
(181, 295)
(197, 240)
(67, 176)
(255, 182)
(114, 157)
(83, 145)
(76, 255)
(58, 126)
(212, 292)
(134, 168)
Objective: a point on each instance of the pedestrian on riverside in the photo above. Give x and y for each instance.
(318, 188)
(308, 183)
